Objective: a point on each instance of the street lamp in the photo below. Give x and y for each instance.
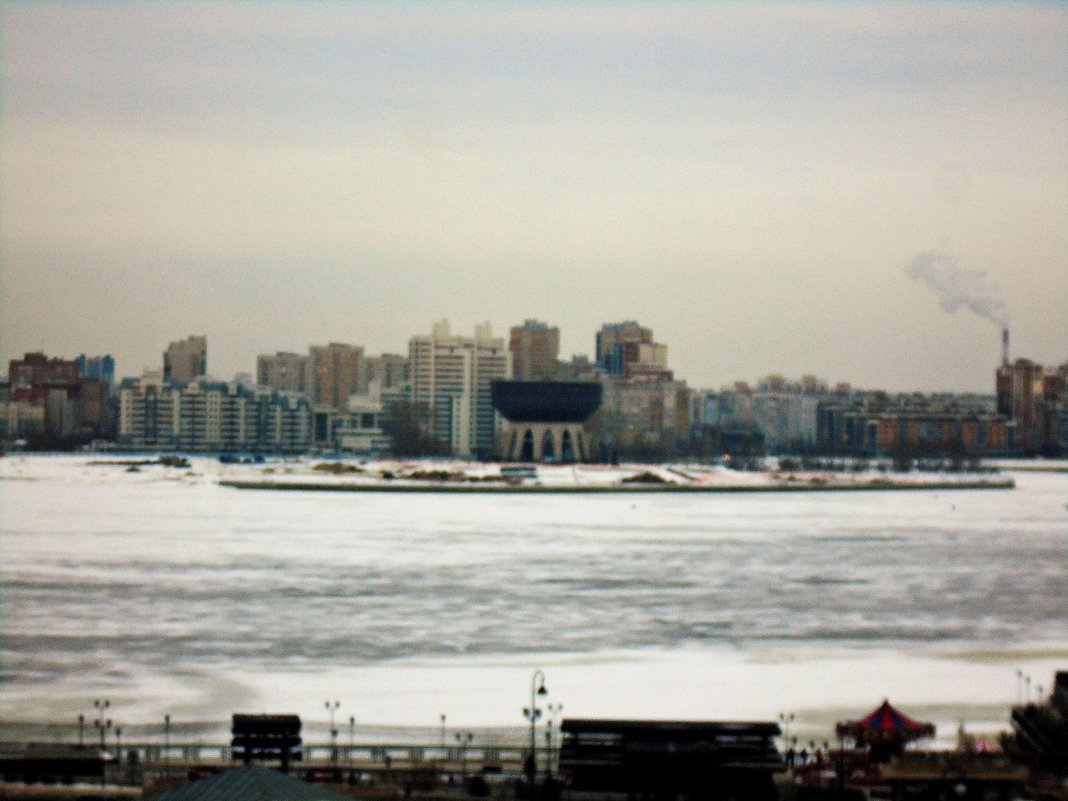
(167, 744)
(101, 706)
(442, 731)
(549, 747)
(785, 721)
(464, 740)
(537, 687)
(555, 714)
(81, 730)
(332, 708)
(102, 726)
(352, 738)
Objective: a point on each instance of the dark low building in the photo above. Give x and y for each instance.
(274, 738)
(546, 418)
(667, 759)
(1040, 733)
(51, 763)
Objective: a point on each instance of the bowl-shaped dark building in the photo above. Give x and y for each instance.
(545, 418)
(546, 401)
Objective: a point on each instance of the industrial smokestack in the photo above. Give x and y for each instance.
(1005, 347)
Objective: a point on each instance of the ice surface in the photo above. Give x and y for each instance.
(168, 593)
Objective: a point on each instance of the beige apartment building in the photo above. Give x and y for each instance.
(186, 360)
(535, 349)
(284, 371)
(452, 375)
(334, 373)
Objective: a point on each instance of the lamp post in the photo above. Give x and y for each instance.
(166, 744)
(352, 739)
(537, 687)
(553, 726)
(442, 731)
(81, 731)
(102, 726)
(785, 720)
(101, 707)
(332, 708)
(549, 748)
(464, 740)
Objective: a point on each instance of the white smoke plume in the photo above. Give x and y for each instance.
(957, 288)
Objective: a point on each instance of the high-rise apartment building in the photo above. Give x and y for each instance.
(285, 371)
(186, 360)
(390, 371)
(452, 375)
(334, 373)
(35, 371)
(535, 349)
(70, 397)
(627, 349)
(1035, 400)
(100, 368)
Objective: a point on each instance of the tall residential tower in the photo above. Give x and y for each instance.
(186, 360)
(535, 349)
(452, 375)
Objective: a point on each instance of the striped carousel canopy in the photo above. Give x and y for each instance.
(885, 724)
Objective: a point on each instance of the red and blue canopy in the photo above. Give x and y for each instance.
(885, 724)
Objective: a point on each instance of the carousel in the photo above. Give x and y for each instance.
(884, 732)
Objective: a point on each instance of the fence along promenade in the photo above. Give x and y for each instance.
(135, 762)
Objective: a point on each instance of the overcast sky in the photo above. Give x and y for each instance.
(770, 187)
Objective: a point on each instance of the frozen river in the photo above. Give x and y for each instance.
(167, 593)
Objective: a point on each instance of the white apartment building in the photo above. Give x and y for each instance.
(452, 375)
(205, 415)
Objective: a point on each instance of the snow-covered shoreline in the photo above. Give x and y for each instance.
(444, 475)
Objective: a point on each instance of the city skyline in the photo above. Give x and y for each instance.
(772, 188)
(565, 364)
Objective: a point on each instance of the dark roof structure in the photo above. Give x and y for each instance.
(250, 783)
(705, 759)
(546, 401)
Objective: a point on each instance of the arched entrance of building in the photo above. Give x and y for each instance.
(548, 447)
(526, 454)
(567, 448)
